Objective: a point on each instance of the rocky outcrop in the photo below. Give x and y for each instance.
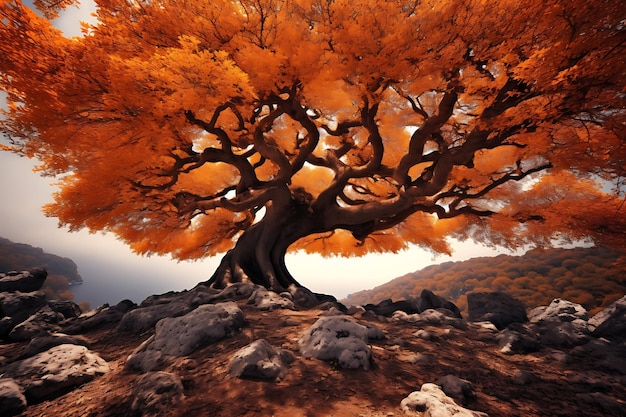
(427, 300)
(431, 401)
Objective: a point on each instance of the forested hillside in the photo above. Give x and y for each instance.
(589, 276)
(62, 272)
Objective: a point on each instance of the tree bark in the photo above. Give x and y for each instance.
(259, 254)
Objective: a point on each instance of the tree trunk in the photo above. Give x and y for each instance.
(259, 254)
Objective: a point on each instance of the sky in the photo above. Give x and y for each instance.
(111, 272)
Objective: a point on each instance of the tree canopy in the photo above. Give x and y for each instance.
(253, 127)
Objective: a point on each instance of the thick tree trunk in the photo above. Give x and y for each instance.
(259, 254)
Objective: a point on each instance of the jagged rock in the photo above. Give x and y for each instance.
(428, 300)
(99, 317)
(42, 343)
(180, 336)
(23, 281)
(558, 310)
(610, 322)
(431, 401)
(430, 317)
(144, 318)
(261, 360)
(340, 339)
(563, 334)
(513, 341)
(497, 307)
(12, 400)
(20, 306)
(44, 321)
(388, 307)
(460, 390)
(67, 308)
(156, 394)
(55, 371)
(264, 299)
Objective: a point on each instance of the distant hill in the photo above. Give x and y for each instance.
(62, 272)
(588, 276)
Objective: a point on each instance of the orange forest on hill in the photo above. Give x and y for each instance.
(249, 128)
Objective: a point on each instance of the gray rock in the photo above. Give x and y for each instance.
(55, 371)
(430, 317)
(68, 309)
(42, 343)
(156, 394)
(101, 316)
(559, 310)
(339, 339)
(12, 400)
(610, 322)
(146, 317)
(264, 299)
(20, 306)
(180, 336)
(512, 341)
(564, 334)
(431, 401)
(23, 281)
(497, 307)
(44, 321)
(460, 390)
(428, 300)
(261, 360)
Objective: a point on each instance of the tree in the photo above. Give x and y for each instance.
(254, 127)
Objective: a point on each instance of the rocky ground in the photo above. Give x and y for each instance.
(550, 381)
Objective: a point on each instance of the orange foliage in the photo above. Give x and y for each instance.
(173, 123)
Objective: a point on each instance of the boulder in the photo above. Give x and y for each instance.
(67, 308)
(56, 371)
(564, 334)
(265, 299)
(180, 336)
(12, 400)
(430, 317)
(431, 401)
(560, 311)
(23, 281)
(261, 360)
(497, 307)
(44, 321)
(428, 300)
(338, 339)
(20, 306)
(610, 322)
(99, 317)
(460, 390)
(146, 317)
(156, 394)
(40, 344)
(514, 341)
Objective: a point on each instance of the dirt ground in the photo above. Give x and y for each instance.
(401, 364)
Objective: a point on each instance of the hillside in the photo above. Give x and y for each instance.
(588, 276)
(62, 272)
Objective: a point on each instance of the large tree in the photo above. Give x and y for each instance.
(254, 127)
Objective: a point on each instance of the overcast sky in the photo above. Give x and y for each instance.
(111, 272)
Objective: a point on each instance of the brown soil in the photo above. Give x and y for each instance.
(316, 388)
